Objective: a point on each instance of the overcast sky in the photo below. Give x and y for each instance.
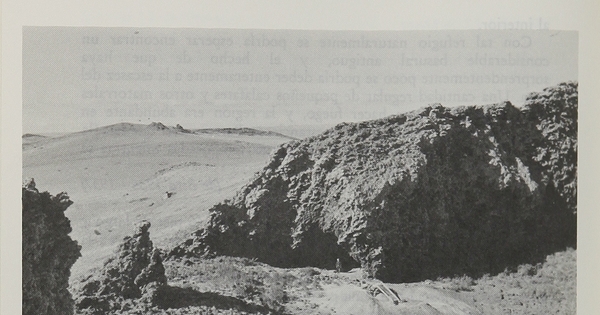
(82, 78)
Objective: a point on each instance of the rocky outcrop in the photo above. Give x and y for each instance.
(48, 252)
(434, 192)
(133, 277)
(157, 126)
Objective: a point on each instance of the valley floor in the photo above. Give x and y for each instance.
(230, 285)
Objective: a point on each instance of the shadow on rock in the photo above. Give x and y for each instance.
(177, 297)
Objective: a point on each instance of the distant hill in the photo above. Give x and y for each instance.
(31, 135)
(31, 138)
(242, 131)
(119, 174)
(160, 126)
(118, 127)
(299, 131)
(433, 192)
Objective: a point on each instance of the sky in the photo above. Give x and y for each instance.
(78, 78)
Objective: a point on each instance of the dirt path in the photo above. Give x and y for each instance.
(351, 296)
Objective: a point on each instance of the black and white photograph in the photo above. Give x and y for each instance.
(256, 170)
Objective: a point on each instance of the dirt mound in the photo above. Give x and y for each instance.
(434, 192)
(134, 276)
(48, 252)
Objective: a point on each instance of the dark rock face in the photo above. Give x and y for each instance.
(48, 252)
(135, 273)
(433, 192)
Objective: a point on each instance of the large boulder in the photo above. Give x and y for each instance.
(434, 192)
(48, 252)
(135, 275)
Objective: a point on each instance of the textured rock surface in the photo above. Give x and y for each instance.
(48, 252)
(133, 277)
(433, 192)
